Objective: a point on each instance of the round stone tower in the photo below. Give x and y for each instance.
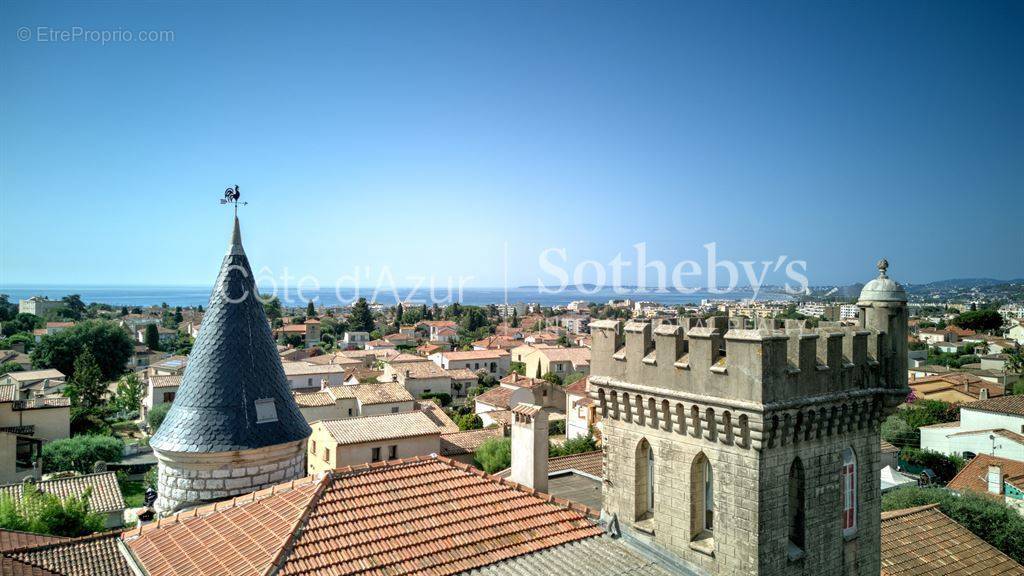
(883, 307)
(233, 427)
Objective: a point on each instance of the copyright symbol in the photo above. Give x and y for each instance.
(24, 34)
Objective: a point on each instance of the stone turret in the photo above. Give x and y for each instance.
(233, 427)
(752, 451)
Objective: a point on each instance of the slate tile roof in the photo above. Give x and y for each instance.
(95, 555)
(602, 556)
(380, 427)
(424, 515)
(466, 442)
(925, 542)
(106, 494)
(233, 363)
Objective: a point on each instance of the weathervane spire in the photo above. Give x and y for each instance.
(231, 196)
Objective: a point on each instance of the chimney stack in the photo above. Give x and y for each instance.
(530, 446)
(983, 394)
(995, 478)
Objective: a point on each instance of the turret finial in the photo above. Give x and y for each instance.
(882, 265)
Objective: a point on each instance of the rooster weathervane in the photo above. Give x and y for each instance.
(231, 196)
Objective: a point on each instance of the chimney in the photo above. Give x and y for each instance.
(995, 478)
(983, 394)
(530, 446)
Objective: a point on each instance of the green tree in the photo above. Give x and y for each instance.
(980, 320)
(272, 308)
(515, 318)
(399, 311)
(469, 422)
(129, 392)
(574, 446)
(494, 454)
(552, 377)
(22, 322)
(80, 453)
(44, 513)
(86, 388)
(7, 309)
(74, 308)
(152, 337)
(310, 310)
(472, 319)
(108, 343)
(156, 416)
(8, 367)
(361, 319)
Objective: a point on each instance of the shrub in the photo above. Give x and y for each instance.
(896, 431)
(494, 454)
(556, 427)
(45, 513)
(469, 422)
(518, 368)
(442, 398)
(156, 416)
(945, 467)
(80, 453)
(989, 519)
(574, 446)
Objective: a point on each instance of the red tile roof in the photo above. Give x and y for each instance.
(95, 555)
(974, 476)
(925, 542)
(10, 539)
(425, 515)
(466, 442)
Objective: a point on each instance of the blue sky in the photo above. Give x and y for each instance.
(427, 136)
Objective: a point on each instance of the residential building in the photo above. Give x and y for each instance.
(132, 322)
(379, 344)
(165, 335)
(39, 305)
(514, 390)
(234, 426)
(159, 390)
(932, 336)
(954, 387)
(142, 357)
(308, 332)
(581, 416)
(43, 418)
(574, 323)
(994, 426)
(50, 329)
(20, 455)
(355, 340)
(558, 361)
(493, 362)
(17, 357)
(105, 493)
(352, 441)
(1016, 332)
(36, 383)
(994, 477)
(419, 377)
(170, 366)
(352, 401)
(309, 375)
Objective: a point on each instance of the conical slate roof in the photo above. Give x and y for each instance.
(233, 367)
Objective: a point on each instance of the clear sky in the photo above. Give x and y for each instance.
(429, 136)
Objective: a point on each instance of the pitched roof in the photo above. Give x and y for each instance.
(380, 427)
(579, 387)
(335, 358)
(424, 515)
(95, 555)
(601, 556)
(974, 476)
(438, 416)
(1002, 405)
(233, 363)
(498, 397)
(10, 539)
(474, 354)
(313, 399)
(958, 381)
(29, 375)
(422, 370)
(467, 441)
(240, 536)
(925, 542)
(587, 462)
(305, 368)
(578, 356)
(374, 393)
(462, 374)
(887, 448)
(106, 494)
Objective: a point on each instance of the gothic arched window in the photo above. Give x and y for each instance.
(848, 485)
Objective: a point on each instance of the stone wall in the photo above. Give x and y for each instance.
(187, 480)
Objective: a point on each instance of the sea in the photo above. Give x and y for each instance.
(186, 296)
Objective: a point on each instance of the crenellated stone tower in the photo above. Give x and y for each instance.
(233, 427)
(753, 451)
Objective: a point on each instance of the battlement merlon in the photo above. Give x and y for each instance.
(764, 366)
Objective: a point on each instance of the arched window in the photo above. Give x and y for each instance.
(702, 498)
(796, 510)
(848, 485)
(644, 477)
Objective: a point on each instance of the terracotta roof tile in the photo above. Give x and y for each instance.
(10, 539)
(106, 494)
(96, 555)
(379, 427)
(498, 397)
(925, 542)
(467, 442)
(1001, 405)
(974, 476)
